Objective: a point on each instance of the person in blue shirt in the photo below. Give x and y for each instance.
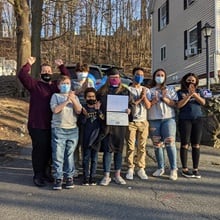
(190, 122)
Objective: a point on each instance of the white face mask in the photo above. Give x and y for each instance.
(82, 75)
(159, 79)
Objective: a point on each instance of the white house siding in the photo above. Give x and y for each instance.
(217, 37)
(173, 37)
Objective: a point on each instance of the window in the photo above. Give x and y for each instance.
(193, 38)
(192, 41)
(163, 55)
(187, 3)
(163, 15)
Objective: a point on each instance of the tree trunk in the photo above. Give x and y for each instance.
(36, 25)
(22, 13)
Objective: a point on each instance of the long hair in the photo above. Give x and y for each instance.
(183, 81)
(153, 83)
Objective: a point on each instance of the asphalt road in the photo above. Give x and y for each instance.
(155, 198)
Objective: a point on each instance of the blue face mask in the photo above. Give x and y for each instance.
(159, 79)
(138, 79)
(64, 88)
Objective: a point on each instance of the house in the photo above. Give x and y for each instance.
(178, 43)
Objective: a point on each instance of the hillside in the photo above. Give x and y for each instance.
(13, 129)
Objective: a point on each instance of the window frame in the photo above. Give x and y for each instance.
(188, 3)
(195, 42)
(163, 53)
(163, 18)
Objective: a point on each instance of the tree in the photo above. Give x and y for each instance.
(22, 14)
(36, 25)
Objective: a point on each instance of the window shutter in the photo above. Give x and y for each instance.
(184, 4)
(199, 36)
(185, 44)
(167, 10)
(158, 19)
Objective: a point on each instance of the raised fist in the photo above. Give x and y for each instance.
(58, 62)
(31, 60)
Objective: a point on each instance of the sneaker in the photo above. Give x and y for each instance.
(158, 172)
(119, 180)
(39, 181)
(187, 174)
(58, 184)
(69, 183)
(130, 174)
(142, 174)
(92, 181)
(173, 175)
(85, 181)
(196, 174)
(105, 181)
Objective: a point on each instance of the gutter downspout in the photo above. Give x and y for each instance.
(216, 52)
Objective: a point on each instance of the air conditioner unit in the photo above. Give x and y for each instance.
(191, 51)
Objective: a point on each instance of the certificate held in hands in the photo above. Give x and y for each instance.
(116, 114)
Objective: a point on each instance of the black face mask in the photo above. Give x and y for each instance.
(46, 77)
(189, 83)
(90, 101)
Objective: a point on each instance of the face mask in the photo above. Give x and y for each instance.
(159, 79)
(91, 101)
(64, 88)
(82, 75)
(114, 82)
(45, 77)
(189, 83)
(138, 79)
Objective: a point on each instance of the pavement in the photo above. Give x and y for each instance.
(155, 198)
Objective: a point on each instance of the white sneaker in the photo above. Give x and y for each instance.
(141, 173)
(173, 174)
(105, 181)
(158, 172)
(130, 174)
(119, 180)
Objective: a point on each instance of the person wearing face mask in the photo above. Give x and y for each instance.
(91, 118)
(65, 107)
(83, 81)
(138, 126)
(40, 115)
(113, 141)
(162, 122)
(190, 123)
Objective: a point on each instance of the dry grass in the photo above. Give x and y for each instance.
(13, 124)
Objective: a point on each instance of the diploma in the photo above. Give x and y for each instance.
(117, 118)
(117, 103)
(116, 114)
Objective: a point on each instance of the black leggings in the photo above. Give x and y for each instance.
(190, 133)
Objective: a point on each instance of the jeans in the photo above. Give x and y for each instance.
(107, 160)
(41, 152)
(163, 134)
(89, 153)
(64, 142)
(137, 131)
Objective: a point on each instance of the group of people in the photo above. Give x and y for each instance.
(65, 116)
